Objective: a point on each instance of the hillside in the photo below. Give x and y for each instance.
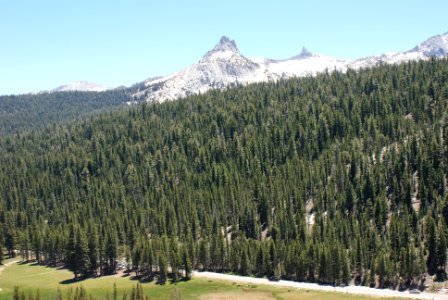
(322, 179)
(32, 111)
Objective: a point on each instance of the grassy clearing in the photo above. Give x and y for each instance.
(30, 277)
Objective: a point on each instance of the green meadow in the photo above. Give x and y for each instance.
(30, 277)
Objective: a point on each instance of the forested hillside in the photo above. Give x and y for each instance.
(31, 111)
(323, 179)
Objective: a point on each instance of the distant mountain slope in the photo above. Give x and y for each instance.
(84, 86)
(31, 111)
(225, 66)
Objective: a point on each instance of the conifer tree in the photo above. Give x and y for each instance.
(82, 253)
(1, 253)
(93, 246)
(111, 250)
(186, 261)
(71, 256)
(163, 268)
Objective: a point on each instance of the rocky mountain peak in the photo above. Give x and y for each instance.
(305, 53)
(225, 46)
(436, 46)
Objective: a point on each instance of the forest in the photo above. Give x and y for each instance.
(328, 179)
(33, 111)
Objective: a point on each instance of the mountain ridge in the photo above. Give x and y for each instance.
(224, 66)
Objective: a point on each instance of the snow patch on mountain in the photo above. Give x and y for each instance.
(84, 86)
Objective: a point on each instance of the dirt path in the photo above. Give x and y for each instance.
(359, 290)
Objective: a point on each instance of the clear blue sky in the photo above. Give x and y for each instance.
(44, 44)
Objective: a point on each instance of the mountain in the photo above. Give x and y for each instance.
(225, 66)
(84, 86)
(220, 67)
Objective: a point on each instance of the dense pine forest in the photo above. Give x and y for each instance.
(31, 111)
(327, 179)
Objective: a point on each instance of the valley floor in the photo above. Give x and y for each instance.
(358, 290)
(204, 285)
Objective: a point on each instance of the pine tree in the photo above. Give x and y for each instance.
(1, 253)
(381, 270)
(345, 267)
(204, 254)
(174, 258)
(82, 250)
(261, 261)
(93, 244)
(136, 257)
(441, 256)
(244, 269)
(111, 250)
(186, 262)
(71, 258)
(10, 242)
(431, 238)
(163, 266)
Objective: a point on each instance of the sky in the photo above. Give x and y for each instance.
(45, 44)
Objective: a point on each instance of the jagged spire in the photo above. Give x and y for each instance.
(304, 54)
(224, 45)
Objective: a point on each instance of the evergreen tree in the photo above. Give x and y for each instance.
(431, 238)
(1, 253)
(111, 251)
(71, 256)
(186, 261)
(441, 251)
(93, 246)
(163, 268)
(82, 253)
